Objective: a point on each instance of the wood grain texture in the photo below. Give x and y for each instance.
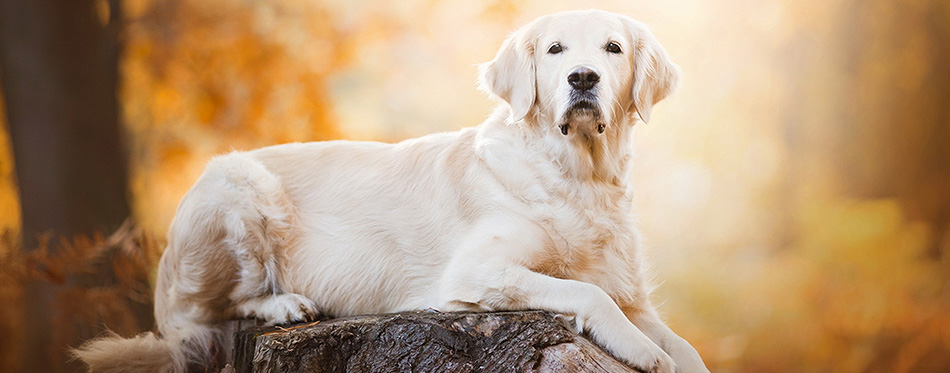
(531, 341)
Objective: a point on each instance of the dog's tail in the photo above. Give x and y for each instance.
(148, 352)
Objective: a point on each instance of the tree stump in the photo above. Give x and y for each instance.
(531, 341)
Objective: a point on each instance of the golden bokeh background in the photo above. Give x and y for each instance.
(794, 193)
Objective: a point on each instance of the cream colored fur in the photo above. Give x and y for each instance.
(509, 215)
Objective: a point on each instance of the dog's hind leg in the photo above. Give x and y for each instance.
(228, 236)
(259, 223)
(221, 263)
(258, 293)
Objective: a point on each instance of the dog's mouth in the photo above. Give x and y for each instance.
(583, 112)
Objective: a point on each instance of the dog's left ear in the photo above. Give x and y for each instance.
(511, 74)
(654, 75)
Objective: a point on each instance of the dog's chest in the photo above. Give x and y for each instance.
(583, 230)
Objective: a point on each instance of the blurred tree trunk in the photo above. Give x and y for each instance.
(59, 69)
(900, 125)
(884, 80)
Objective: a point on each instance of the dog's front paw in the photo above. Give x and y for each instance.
(686, 357)
(650, 359)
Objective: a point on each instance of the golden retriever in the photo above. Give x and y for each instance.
(529, 210)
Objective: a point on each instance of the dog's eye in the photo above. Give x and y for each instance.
(613, 47)
(555, 48)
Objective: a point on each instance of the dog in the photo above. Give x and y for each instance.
(531, 209)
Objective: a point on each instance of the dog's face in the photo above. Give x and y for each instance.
(580, 71)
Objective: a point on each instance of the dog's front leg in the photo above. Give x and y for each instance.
(497, 285)
(686, 358)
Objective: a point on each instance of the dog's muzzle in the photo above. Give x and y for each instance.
(583, 101)
(565, 127)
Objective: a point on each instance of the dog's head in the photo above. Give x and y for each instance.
(582, 70)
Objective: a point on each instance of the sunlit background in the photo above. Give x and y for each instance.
(794, 193)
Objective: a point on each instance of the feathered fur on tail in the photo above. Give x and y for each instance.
(146, 352)
(143, 353)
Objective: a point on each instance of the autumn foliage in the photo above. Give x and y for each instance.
(94, 280)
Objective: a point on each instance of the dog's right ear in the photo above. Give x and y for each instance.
(654, 75)
(511, 74)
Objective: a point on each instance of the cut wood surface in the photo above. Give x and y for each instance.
(530, 341)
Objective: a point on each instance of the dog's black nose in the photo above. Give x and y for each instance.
(583, 79)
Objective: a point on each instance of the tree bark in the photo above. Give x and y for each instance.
(532, 341)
